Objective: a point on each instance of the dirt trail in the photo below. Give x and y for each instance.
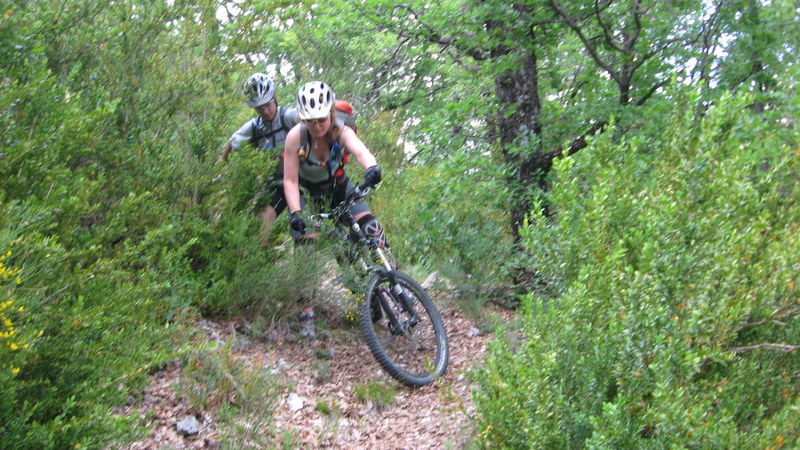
(436, 416)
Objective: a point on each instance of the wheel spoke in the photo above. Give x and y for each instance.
(409, 341)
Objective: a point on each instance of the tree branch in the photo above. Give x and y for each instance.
(430, 34)
(767, 346)
(652, 91)
(580, 143)
(780, 313)
(604, 27)
(570, 21)
(636, 11)
(709, 29)
(382, 75)
(405, 102)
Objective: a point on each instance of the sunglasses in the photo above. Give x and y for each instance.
(315, 121)
(265, 105)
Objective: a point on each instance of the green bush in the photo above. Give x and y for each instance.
(94, 329)
(381, 395)
(242, 396)
(113, 211)
(674, 267)
(445, 217)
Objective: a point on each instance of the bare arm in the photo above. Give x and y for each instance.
(353, 143)
(226, 149)
(238, 139)
(291, 165)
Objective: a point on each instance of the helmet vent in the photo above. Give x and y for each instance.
(315, 100)
(258, 90)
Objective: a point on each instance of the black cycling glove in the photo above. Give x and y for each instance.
(296, 222)
(373, 175)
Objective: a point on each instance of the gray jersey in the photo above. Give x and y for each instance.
(266, 135)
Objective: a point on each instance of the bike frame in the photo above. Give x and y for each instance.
(341, 216)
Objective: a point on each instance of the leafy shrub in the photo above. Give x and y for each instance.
(108, 205)
(98, 328)
(675, 272)
(241, 395)
(450, 217)
(15, 345)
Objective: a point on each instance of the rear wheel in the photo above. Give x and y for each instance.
(408, 338)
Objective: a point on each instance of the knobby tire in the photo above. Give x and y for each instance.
(416, 356)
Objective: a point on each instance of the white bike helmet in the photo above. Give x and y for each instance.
(258, 90)
(315, 100)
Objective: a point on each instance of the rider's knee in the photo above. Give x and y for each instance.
(371, 227)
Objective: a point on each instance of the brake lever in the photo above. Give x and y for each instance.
(361, 191)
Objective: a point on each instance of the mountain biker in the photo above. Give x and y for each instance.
(267, 132)
(315, 153)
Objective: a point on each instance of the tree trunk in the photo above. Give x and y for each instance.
(520, 135)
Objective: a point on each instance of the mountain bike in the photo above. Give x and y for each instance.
(399, 321)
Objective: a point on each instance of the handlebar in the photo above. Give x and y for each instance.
(340, 213)
(359, 193)
(364, 187)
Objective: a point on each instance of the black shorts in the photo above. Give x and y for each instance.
(328, 197)
(274, 186)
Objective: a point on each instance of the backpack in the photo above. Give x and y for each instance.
(260, 135)
(345, 111)
(338, 156)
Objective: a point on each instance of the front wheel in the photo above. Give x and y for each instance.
(403, 329)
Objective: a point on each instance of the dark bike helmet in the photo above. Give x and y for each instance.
(258, 90)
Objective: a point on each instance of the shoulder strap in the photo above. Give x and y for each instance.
(261, 134)
(303, 137)
(257, 133)
(334, 153)
(282, 117)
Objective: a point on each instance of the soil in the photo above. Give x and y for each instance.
(318, 405)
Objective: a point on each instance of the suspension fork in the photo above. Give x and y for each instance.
(395, 326)
(397, 291)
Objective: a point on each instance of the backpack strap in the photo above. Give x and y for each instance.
(303, 151)
(282, 119)
(258, 128)
(337, 155)
(257, 133)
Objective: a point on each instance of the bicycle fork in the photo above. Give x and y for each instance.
(399, 297)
